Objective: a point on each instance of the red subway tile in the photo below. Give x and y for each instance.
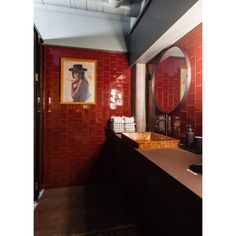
(73, 134)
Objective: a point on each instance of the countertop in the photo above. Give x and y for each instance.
(175, 162)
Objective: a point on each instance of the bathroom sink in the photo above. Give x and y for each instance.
(142, 140)
(197, 168)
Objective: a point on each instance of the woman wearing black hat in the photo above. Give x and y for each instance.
(79, 85)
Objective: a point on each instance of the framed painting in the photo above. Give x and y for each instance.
(78, 81)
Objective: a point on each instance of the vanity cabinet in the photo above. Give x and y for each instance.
(163, 205)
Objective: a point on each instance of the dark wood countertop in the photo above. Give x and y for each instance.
(175, 162)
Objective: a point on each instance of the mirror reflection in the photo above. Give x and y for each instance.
(172, 79)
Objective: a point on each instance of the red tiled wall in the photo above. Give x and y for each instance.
(73, 135)
(190, 111)
(167, 85)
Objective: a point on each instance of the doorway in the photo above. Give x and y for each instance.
(38, 113)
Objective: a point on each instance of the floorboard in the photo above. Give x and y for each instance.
(80, 209)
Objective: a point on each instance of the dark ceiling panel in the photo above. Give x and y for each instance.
(156, 20)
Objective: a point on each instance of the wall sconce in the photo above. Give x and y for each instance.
(116, 91)
(49, 104)
(119, 99)
(116, 98)
(113, 99)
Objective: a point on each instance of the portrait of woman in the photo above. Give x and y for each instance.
(78, 79)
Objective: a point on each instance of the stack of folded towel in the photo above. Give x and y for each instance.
(121, 124)
(129, 124)
(117, 124)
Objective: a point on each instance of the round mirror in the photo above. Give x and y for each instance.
(172, 77)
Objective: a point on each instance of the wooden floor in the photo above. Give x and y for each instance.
(71, 210)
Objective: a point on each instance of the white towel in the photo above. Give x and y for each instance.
(128, 119)
(119, 130)
(129, 124)
(130, 127)
(117, 126)
(117, 119)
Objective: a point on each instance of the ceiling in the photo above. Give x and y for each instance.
(130, 8)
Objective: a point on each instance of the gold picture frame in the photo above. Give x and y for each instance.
(78, 90)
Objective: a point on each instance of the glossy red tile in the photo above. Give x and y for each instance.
(191, 109)
(191, 99)
(198, 106)
(198, 92)
(198, 118)
(73, 136)
(199, 66)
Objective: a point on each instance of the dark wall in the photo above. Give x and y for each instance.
(74, 134)
(157, 19)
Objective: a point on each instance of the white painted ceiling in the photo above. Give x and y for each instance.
(97, 24)
(130, 8)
